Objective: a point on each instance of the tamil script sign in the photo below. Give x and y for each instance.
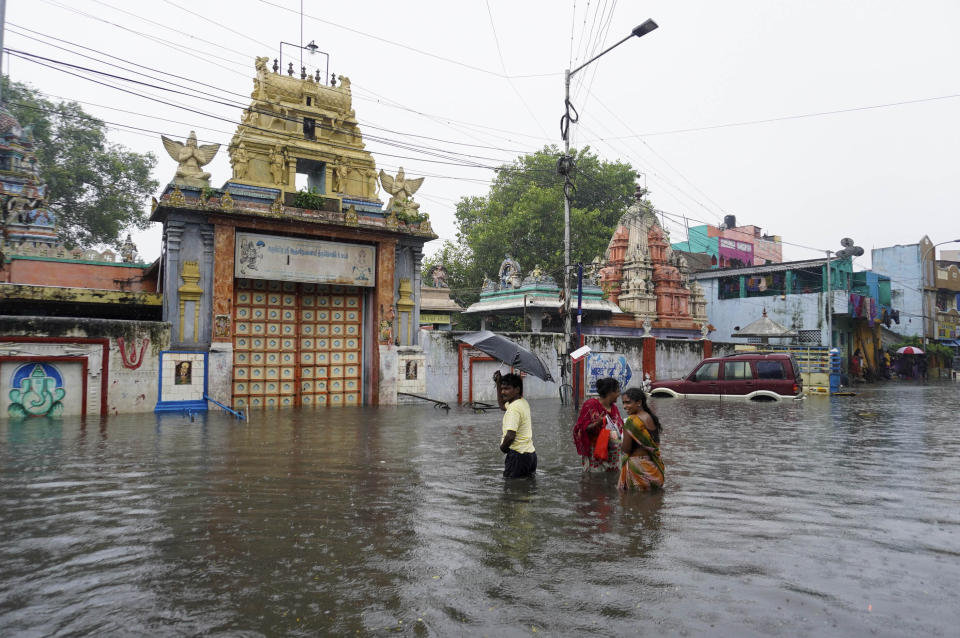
(307, 260)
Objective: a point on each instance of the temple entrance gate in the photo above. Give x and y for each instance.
(296, 344)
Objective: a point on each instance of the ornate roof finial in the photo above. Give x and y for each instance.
(333, 78)
(276, 65)
(290, 70)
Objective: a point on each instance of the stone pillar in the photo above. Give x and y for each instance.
(172, 235)
(707, 348)
(649, 360)
(206, 282)
(220, 362)
(415, 315)
(383, 364)
(405, 308)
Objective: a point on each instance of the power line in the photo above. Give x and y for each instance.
(408, 47)
(366, 125)
(179, 48)
(282, 134)
(503, 65)
(793, 117)
(421, 149)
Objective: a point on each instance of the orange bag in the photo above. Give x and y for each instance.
(602, 447)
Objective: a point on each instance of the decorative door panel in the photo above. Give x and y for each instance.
(296, 345)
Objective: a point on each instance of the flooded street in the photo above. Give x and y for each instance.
(823, 517)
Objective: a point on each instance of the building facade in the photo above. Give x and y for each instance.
(731, 246)
(293, 279)
(911, 270)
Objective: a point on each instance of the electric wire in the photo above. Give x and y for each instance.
(503, 65)
(425, 150)
(366, 125)
(408, 47)
(179, 48)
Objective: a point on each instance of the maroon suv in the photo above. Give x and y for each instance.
(750, 375)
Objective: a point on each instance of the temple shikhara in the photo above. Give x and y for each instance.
(650, 282)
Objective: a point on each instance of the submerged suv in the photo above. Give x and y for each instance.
(749, 375)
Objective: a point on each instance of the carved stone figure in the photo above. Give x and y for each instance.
(509, 274)
(400, 188)
(277, 165)
(240, 160)
(337, 175)
(190, 158)
(373, 186)
(128, 251)
(439, 275)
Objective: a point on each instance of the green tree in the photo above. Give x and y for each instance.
(96, 189)
(523, 215)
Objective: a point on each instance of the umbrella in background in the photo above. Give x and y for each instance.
(909, 350)
(510, 353)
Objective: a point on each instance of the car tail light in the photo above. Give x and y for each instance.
(796, 389)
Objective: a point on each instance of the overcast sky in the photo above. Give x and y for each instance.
(814, 120)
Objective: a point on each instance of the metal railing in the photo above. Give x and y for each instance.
(239, 415)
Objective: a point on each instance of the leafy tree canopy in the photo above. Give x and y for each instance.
(96, 189)
(523, 215)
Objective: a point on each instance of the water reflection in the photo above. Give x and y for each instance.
(832, 516)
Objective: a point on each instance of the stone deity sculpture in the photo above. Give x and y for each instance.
(240, 160)
(401, 190)
(190, 158)
(277, 165)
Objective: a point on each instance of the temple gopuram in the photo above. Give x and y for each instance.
(290, 296)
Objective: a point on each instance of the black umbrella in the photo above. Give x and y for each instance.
(504, 350)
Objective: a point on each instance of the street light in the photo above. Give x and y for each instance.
(565, 167)
(923, 287)
(312, 48)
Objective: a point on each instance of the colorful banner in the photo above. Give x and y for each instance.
(306, 260)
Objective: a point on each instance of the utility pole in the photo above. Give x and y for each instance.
(3, 24)
(829, 306)
(565, 166)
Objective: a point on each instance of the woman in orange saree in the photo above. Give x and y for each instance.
(641, 467)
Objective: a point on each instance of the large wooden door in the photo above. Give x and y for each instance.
(296, 344)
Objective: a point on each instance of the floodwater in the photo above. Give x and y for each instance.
(824, 517)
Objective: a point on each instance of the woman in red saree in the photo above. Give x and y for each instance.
(641, 467)
(600, 420)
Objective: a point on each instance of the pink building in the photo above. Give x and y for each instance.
(742, 240)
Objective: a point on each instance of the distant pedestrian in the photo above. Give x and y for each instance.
(856, 362)
(922, 366)
(517, 437)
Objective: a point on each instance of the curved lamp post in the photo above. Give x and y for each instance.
(565, 167)
(923, 286)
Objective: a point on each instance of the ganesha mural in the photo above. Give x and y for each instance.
(37, 390)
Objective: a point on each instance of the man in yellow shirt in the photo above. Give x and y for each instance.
(517, 440)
